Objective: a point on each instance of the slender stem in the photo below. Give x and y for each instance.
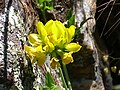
(44, 15)
(63, 80)
(67, 76)
(43, 12)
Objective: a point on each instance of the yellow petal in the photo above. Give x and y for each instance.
(55, 30)
(33, 60)
(73, 47)
(51, 28)
(70, 33)
(30, 50)
(67, 58)
(60, 28)
(41, 57)
(72, 30)
(49, 47)
(34, 39)
(41, 30)
(39, 48)
(51, 31)
(61, 41)
(31, 53)
(52, 39)
(54, 63)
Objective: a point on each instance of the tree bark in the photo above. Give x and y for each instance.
(17, 20)
(91, 72)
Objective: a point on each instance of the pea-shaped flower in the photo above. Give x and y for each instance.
(54, 63)
(73, 47)
(41, 31)
(36, 54)
(55, 39)
(49, 47)
(67, 58)
(55, 30)
(34, 39)
(70, 32)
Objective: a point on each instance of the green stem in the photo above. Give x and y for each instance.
(43, 12)
(44, 15)
(67, 76)
(63, 80)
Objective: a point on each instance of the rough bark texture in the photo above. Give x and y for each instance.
(18, 19)
(90, 62)
(89, 72)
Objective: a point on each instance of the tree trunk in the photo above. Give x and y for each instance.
(18, 19)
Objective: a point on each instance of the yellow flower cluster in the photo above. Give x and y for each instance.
(53, 38)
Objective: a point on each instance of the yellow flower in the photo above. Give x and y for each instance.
(53, 37)
(61, 42)
(54, 63)
(70, 33)
(67, 58)
(34, 39)
(49, 47)
(30, 50)
(36, 54)
(41, 31)
(40, 57)
(55, 30)
(73, 47)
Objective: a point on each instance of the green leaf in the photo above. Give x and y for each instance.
(49, 7)
(40, 88)
(50, 83)
(70, 18)
(40, 1)
(49, 80)
(55, 87)
(69, 14)
(71, 21)
(46, 88)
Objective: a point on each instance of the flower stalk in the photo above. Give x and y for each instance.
(63, 80)
(67, 76)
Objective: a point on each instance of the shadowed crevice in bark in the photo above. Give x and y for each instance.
(27, 76)
(5, 37)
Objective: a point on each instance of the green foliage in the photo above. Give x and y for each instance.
(45, 4)
(49, 81)
(50, 85)
(69, 14)
(71, 21)
(70, 18)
